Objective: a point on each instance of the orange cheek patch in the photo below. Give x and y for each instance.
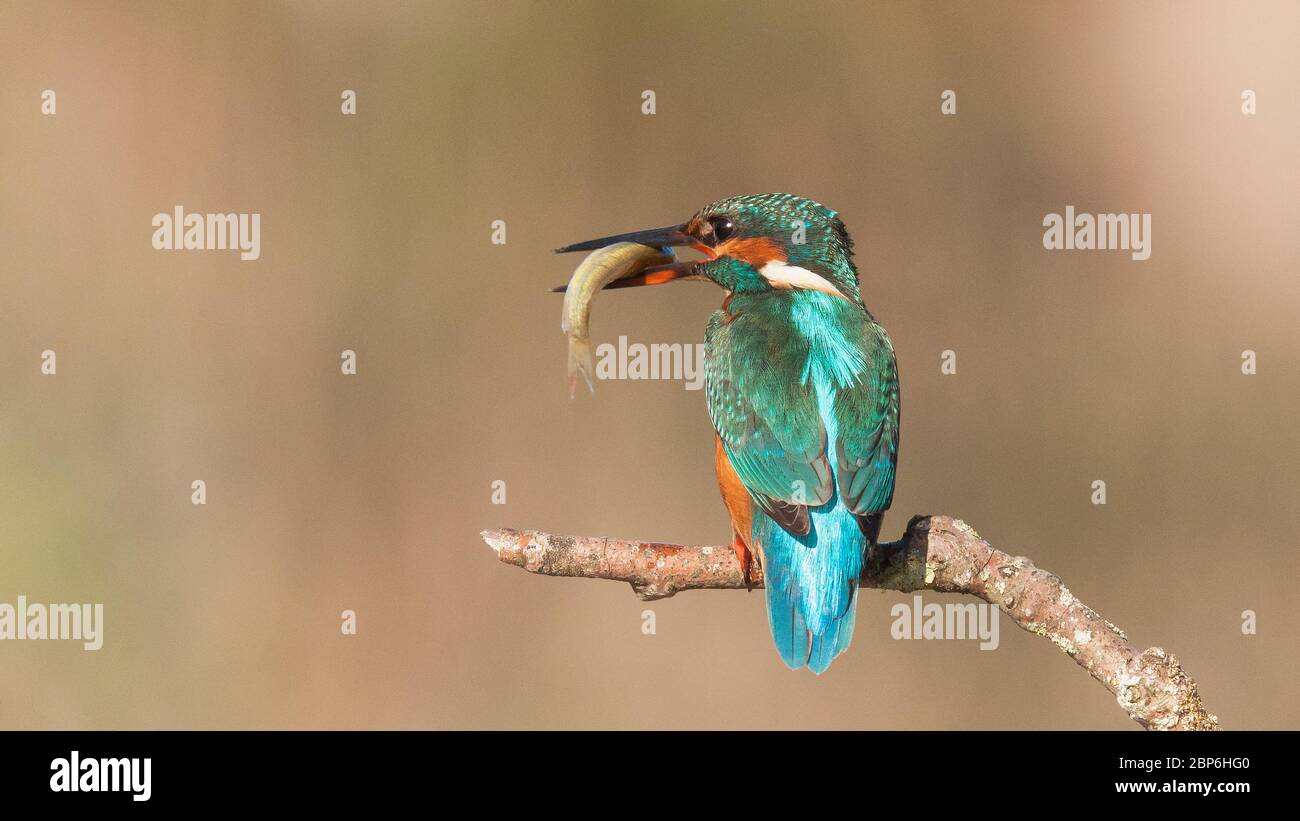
(704, 249)
(757, 251)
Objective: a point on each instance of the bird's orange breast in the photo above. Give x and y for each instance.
(740, 508)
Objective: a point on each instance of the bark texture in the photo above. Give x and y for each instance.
(937, 553)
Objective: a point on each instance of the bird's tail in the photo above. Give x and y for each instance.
(800, 646)
(837, 637)
(785, 620)
(811, 597)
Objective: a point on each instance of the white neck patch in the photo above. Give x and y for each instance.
(780, 274)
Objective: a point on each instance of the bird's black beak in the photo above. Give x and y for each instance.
(672, 236)
(656, 237)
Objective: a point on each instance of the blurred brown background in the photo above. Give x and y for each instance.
(328, 492)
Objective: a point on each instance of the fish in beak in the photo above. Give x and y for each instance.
(673, 236)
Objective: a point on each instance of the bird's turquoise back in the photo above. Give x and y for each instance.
(802, 389)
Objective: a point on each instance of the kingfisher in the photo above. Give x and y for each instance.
(802, 388)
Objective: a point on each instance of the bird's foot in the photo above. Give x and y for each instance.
(746, 560)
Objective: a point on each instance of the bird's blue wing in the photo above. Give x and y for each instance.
(769, 423)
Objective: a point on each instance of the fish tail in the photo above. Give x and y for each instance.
(580, 360)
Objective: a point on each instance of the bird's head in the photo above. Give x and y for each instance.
(753, 243)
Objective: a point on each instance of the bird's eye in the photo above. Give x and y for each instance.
(722, 229)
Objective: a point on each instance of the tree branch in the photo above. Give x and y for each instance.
(936, 553)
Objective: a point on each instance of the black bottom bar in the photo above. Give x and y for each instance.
(551, 771)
